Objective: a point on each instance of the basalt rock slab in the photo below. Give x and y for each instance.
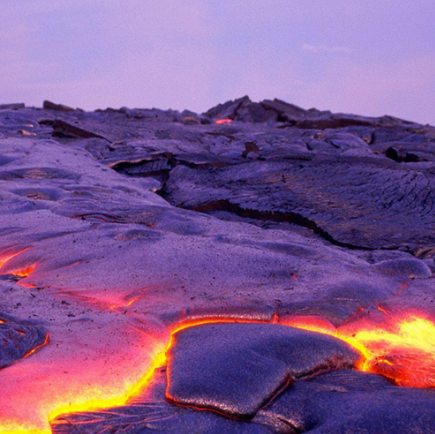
(351, 402)
(245, 110)
(339, 402)
(346, 200)
(48, 105)
(237, 368)
(67, 130)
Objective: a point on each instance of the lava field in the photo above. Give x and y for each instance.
(258, 268)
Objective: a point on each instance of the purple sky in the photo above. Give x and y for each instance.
(369, 57)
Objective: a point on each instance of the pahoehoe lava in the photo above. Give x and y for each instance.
(258, 268)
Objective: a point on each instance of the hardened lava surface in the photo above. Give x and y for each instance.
(236, 368)
(258, 268)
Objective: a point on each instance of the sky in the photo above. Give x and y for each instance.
(369, 57)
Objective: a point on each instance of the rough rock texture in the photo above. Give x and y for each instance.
(352, 203)
(18, 340)
(118, 226)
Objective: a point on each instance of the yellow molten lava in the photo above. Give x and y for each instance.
(24, 272)
(402, 349)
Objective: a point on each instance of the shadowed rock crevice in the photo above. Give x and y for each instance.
(274, 216)
(365, 205)
(62, 129)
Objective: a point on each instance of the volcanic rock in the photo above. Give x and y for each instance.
(341, 401)
(351, 402)
(310, 191)
(15, 106)
(236, 368)
(118, 227)
(48, 105)
(18, 340)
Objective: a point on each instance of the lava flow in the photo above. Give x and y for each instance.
(401, 349)
(23, 271)
(223, 121)
(7, 257)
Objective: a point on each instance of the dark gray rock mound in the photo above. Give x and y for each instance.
(404, 268)
(236, 368)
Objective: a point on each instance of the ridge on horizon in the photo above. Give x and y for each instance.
(243, 109)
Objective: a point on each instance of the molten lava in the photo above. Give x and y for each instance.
(24, 272)
(7, 257)
(402, 349)
(32, 351)
(223, 121)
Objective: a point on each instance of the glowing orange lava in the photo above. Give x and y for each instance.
(25, 271)
(51, 382)
(223, 121)
(21, 271)
(7, 257)
(401, 348)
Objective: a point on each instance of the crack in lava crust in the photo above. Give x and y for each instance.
(400, 349)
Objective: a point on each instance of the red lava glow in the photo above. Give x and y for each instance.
(381, 309)
(402, 349)
(223, 121)
(103, 301)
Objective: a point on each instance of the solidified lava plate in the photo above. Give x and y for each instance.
(259, 268)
